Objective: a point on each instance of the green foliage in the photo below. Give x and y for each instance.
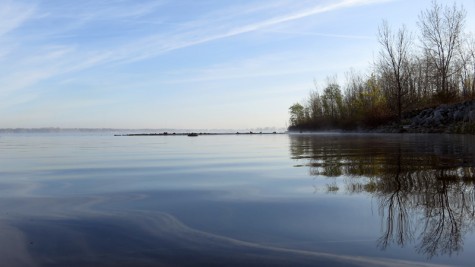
(362, 105)
(332, 101)
(297, 115)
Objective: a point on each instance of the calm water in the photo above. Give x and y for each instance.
(273, 200)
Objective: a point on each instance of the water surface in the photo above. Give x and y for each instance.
(276, 200)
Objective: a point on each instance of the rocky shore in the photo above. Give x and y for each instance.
(454, 118)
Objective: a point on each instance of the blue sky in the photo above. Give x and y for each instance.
(208, 64)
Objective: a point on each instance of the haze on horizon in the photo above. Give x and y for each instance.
(182, 64)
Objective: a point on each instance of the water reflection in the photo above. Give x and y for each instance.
(423, 184)
(92, 235)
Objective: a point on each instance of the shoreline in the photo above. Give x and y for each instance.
(458, 118)
(198, 134)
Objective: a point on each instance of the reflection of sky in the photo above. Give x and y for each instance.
(63, 166)
(137, 196)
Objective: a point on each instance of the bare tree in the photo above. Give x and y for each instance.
(441, 33)
(472, 59)
(315, 104)
(468, 70)
(394, 64)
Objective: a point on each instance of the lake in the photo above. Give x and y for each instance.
(237, 200)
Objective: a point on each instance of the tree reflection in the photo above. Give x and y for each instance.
(392, 206)
(424, 185)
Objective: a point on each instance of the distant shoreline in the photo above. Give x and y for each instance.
(198, 134)
(45, 130)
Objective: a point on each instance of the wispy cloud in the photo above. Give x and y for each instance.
(330, 35)
(298, 15)
(72, 57)
(98, 10)
(163, 43)
(13, 15)
(37, 66)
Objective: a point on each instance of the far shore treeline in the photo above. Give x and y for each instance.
(412, 71)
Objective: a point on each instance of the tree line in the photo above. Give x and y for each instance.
(410, 73)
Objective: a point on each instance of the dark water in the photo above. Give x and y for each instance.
(274, 200)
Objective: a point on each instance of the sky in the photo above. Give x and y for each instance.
(182, 64)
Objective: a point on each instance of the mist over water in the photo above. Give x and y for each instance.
(280, 200)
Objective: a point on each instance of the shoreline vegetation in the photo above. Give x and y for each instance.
(422, 83)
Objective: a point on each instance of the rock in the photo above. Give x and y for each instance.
(443, 119)
(466, 117)
(458, 115)
(471, 116)
(439, 115)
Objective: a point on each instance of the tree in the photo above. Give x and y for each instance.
(441, 32)
(332, 101)
(468, 71)
(315, 106)
(297, 114)
(394, 64)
